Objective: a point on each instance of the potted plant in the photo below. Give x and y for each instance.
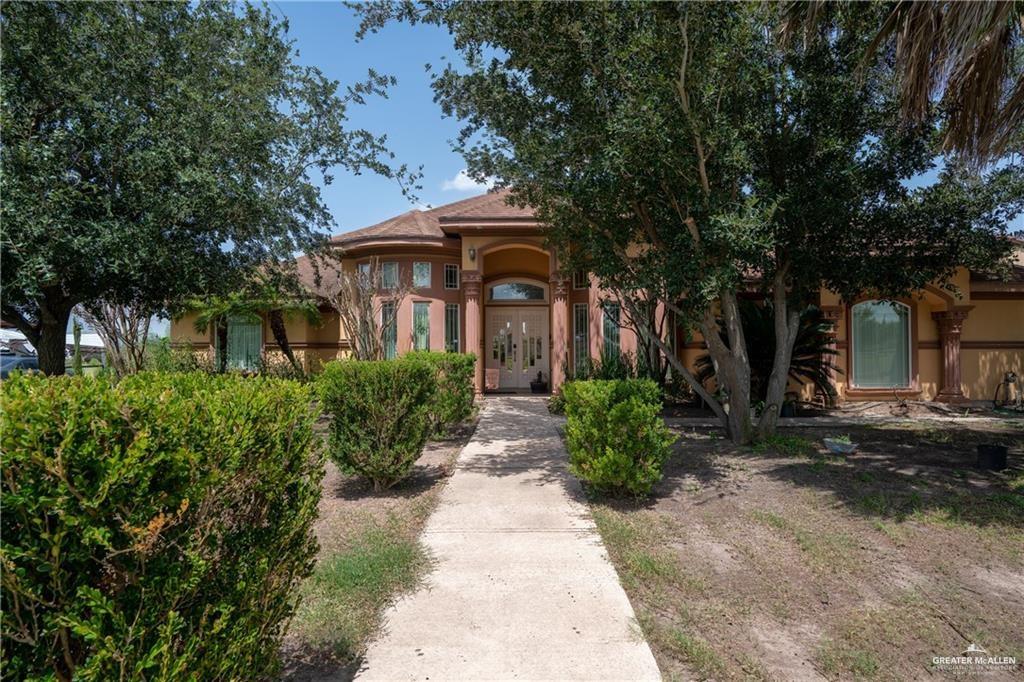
(539, 385)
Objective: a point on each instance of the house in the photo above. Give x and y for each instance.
(485, 283)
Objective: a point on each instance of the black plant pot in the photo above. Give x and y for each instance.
(788, 410)
(538, 387)
(992, 457)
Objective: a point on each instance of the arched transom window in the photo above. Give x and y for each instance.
(517, 291)
(880, 344)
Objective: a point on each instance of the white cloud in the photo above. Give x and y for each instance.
(463, 183)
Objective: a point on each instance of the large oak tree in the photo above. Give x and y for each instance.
(684, 154)
(155, 151)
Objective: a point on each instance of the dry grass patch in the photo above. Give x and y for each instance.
(783, 562)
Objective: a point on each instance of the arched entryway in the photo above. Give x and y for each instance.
(517, 338)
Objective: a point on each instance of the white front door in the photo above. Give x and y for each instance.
(517, 346)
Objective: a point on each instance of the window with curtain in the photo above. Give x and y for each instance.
(880, 344)
(389, 326)
(421, 275)
(245, 343)
(612, 313)
(451, 327)
(580, 337)
(421, 325)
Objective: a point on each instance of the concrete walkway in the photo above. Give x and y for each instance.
(522, 587)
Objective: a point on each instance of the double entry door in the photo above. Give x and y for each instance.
(517, 346)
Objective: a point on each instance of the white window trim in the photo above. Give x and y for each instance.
(910, 348)
(458, 274)
(586, 280)
(430, 274)
(517, 280)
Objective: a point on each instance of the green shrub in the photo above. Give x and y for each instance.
(156, 527)
(453, 400)
(616, 438)
(380, 416)
(162, 356)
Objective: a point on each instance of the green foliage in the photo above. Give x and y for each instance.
(616, 438)
(153, 152)
(452, 402)
(812, 352)
(163, 356)
(677, 149)
(788, 446)
(154, 528)
(380, 416)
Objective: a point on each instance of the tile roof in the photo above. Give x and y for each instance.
(488, 207)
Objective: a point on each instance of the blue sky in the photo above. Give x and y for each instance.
(418, 134)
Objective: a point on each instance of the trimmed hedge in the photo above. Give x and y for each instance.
(616, 438)
(380, 416)
(453, 400)
(154, 528)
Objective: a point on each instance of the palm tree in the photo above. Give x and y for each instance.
(967, 56)
(812, 351)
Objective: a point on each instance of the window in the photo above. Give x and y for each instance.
(451, 327)
(451, 276)
(389, 275)
(580, 338)
(364, 270)
(421, 275)
(580, 280)
(389, 327)
(611, 328)
(881, 344)
(517, 291)
(421, 325)
(245, 343)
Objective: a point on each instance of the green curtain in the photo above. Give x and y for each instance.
(245, 343)
(881, 345)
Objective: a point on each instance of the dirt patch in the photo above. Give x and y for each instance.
(754, 564)
(369, 553)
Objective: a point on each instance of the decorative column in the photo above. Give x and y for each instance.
(471, 281)
(950, 323)
(830, 315)
(559, 328)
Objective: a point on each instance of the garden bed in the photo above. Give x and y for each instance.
(369, 554)
(784, 562)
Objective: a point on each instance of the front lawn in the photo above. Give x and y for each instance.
(369, 554)
(783, 562)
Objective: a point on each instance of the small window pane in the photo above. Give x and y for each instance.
(389, 325)
(517, 291)
(881, 345)
(451, 327)
(580, 280)
(611, 328)
(421, 275)
(389, 275)
(421, 325)
(451, 276)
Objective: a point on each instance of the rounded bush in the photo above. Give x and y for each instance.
(154, 528)
(616, 438)
(452, 402)
(380, 416)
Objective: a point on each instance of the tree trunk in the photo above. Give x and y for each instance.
(50, 349)
(732, 365)
(221, 339)
(280, 333)
(787, 322)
